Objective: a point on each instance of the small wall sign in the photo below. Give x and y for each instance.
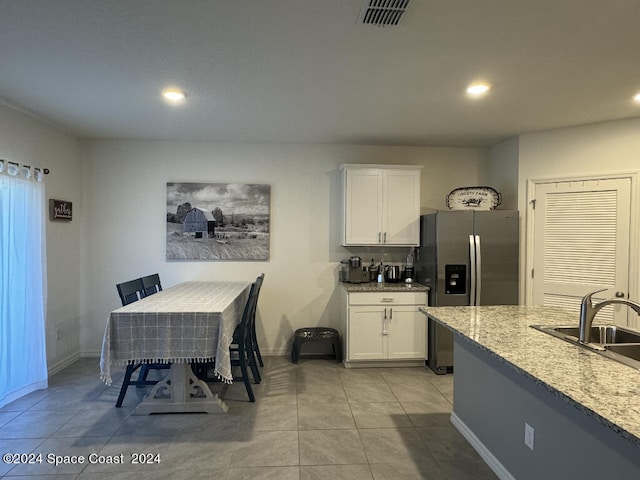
(60, 210)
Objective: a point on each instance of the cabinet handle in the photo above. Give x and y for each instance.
(379, 237)
(391, 314)
(388, 299)
(385, 330)
(385, 238)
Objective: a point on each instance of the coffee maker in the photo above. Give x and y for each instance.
(353, 271)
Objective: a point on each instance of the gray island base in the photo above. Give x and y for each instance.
(584, 409)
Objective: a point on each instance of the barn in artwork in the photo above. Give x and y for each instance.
(199, 223)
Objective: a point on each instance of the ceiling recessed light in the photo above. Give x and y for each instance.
(173, 95)
(636, 97)
(477, 89)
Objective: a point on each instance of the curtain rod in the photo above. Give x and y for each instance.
(43, 170)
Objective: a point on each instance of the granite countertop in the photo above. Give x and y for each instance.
(384, 287)
(602, 388)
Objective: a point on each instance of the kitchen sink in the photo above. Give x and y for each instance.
(611, 341)
(631, 351)
(600, 334)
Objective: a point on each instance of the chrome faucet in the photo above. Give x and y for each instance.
(588, 312)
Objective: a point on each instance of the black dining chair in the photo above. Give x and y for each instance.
(249, 342)
(151, 284)
(241, 348)
(242, 353)
(130, 292)
(254, 338)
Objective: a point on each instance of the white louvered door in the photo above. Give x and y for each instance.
(581, 243)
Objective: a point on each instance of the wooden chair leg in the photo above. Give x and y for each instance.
(254, 367)
(144, 371)
(256, 348)
(245, 377)
(261, 363)
(125, 383)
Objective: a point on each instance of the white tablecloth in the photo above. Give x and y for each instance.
(193, 321)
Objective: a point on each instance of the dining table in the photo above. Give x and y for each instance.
(189, 322)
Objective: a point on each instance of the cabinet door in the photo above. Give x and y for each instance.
(407, 333)
(401, 208)
(363, 207)
(367, 340)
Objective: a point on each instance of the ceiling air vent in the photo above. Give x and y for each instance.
(382, 12)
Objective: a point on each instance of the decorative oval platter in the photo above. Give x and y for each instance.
(473, 198)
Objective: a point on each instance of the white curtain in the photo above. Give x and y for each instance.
(23, 361)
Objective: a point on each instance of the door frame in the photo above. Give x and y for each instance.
(634, 238)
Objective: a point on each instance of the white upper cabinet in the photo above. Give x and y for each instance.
(381, 205)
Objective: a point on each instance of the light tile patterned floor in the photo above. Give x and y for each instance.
(311, 421)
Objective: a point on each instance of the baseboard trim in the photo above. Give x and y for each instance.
(280, 352)
(384, 363)
(90, 354)
(63, 363)
(493, 463)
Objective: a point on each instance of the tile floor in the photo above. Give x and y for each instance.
(313, 420)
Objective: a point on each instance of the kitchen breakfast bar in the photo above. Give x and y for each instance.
(581, 410)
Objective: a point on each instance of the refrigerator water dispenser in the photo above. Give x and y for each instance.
(455, 279)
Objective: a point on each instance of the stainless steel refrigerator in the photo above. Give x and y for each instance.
(466, 257)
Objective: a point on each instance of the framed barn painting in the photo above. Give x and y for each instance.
(218, 221)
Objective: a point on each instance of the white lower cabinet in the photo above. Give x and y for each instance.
(385, 326)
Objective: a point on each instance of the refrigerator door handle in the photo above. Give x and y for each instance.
(472, 273)
(478, 272)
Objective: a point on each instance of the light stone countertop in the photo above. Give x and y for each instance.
(384, 287)
(602, 388)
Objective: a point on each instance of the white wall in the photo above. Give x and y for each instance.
(503, 172)
(602, 148)
(125, 198)
(590, 149)
(118, 194)
(30, 141)
(450, 168)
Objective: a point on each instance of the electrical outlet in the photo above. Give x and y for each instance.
(528, 435)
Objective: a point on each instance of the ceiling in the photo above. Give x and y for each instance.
(304, 71)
